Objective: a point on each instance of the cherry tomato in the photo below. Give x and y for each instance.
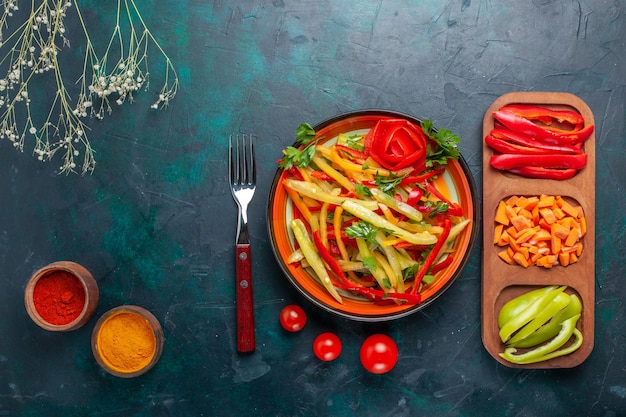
(292, 318)
(327, 346)
(379, 353)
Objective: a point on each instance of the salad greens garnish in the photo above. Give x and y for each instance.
(296, 157)
(447, 143)
(409, 272)
(363, 230)
(362, 191)
(305, 135)
(370, 263)
(388, 184)
(436, 208)
(355, 142)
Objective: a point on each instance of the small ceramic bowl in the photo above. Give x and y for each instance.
(61, 296)
(127, 341)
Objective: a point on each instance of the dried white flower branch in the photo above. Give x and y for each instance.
(113, 77)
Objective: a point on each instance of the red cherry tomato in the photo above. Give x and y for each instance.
(327, 346)
(379, 353)
(292, 318)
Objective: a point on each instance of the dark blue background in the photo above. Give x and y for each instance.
(155, 223)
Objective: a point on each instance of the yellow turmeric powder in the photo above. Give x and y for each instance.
(126, 342)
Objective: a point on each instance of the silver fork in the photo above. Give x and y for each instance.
(242, 177)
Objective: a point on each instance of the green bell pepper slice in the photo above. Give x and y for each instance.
(530, 312)
(551, 349)
(520, 303)
(313, 257)
(558, 303)
(552, 328)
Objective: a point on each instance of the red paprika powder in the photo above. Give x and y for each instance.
(59, 297)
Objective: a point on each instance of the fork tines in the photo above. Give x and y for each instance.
(242, 167)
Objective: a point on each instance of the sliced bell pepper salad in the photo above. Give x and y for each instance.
(369, 218)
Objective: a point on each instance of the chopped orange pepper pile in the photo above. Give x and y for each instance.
(542, 231)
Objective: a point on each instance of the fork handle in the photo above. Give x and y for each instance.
(245, 312)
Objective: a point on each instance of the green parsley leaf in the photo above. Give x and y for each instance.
(290, 156)
(409, 273)
(370, 263)
(363, 230)
(436, 208)
(387, 184)
(296, 157)
(362, 191)
(355, 142)
(305, 133)
(306, 156)
(447, 144)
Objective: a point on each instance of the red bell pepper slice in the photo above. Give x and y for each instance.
(546, 115)
(352, 152)
(419, 276)
(415, 179)
(415, 195)
(412, 246)
(321, 175)
(317, 208)
(328, 258)
(424, 208)
(348, 241)
(508, 161)
(521, 125)
(442, 265)
(544, 173)
(373, 294)
(453, 208)
(503, 146)
(523, 141)
(379, 295)
(294, 173)
(333, 248)
(396, 144)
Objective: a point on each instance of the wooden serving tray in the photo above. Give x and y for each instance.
(500, 281)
